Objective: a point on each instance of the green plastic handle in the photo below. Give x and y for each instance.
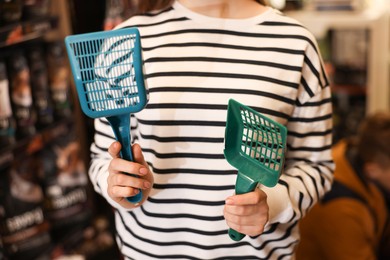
(244, 184)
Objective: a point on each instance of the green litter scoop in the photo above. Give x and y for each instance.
(255, 145)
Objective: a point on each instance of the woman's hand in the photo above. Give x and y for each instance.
(247, 213)
(121, 185)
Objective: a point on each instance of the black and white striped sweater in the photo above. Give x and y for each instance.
(194, 64)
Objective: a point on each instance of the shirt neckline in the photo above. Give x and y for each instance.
(204, 19)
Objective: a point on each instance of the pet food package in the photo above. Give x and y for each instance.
(10, 11)
(35, 8)
(97, 241)
(21, 95)
(65, 185)
(40, 86)
(59, 79)
(24, 229)
(2, 255)
(7, 123)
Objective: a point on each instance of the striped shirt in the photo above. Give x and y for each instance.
(194, 64)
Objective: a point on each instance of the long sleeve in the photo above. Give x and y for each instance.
(100, 159)
(309, 165)
(309, 168)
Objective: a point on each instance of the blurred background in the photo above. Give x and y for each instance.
(48, 209)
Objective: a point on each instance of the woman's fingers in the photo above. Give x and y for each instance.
(138, 155)
(126, 178)
(118, 165)
(114, 149)
(247, 230)
(123, 191)
(251, 198)
(247, 213)
(121, 165)
(120, 179)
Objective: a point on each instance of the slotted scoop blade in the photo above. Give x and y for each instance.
(255, 145)
(107, 68)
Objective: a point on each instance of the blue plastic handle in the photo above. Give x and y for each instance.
(120, 124)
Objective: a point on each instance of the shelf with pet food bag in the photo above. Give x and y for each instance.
(34, 143)
(42, 137)
(34, 89)
(47, 192)
(42, 141)
(35, 96)
(25, 230)
(12, 35)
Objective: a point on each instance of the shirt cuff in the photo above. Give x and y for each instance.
(278, 200)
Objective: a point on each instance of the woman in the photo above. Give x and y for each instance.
(198, 55)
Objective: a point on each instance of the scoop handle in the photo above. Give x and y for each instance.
(120, 124)
(244, 184)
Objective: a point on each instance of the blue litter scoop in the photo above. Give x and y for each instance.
(107, 69)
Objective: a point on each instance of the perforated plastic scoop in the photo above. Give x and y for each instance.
(255, 145)
(108, 73)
